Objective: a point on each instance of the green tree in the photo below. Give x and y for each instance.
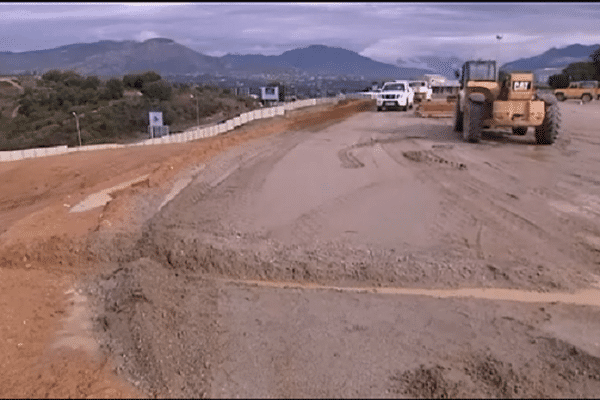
(157, 90)
(53, 75)
(580, 71)
(72, 79)
(128, 81)
(91, 82)
(150, 76)
(138, 81)
(595, 56)
(114, 89)
(558, 81)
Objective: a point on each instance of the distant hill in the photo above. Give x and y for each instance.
(107, 58)
(321, 60)
(553, 58)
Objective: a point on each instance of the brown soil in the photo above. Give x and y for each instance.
(45, 250)
(281, 269)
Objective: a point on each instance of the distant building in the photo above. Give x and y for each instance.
(446, 88)
(269, 93)
(242, 91)
(432, 79)
(440, 86)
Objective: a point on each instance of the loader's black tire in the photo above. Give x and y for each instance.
(458, 118)
(548, 131)
(520, 130)
(472, 119)
(560, 97)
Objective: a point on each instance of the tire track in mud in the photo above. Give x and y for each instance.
(349, 160)
(429, 157)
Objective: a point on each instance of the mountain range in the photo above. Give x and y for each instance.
(553, 58)
(107, 58)
(110, 58)
(115, 58)
(322, 60)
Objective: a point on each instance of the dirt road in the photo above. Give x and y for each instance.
(379, 256)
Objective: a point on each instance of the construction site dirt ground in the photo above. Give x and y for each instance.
(333, 252)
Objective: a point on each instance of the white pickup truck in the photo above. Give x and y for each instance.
(422, 90)
(395, 95)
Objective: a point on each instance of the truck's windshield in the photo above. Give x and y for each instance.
(482, 71)
(393, 86)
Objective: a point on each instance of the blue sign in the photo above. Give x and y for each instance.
(156, 118)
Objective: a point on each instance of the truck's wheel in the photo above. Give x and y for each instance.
(458, 118)
(560, 97)
(547, 132)
(404, 108)
(586, 97)
(379, 108)
(520, 130)
(472, 120)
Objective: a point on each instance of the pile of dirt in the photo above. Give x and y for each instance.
(562, 370)
(423, 383)
(159, 326)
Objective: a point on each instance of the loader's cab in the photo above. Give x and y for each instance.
(479, 80)
(482, 71)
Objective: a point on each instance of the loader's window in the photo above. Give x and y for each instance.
(521, 85)
(482, 72)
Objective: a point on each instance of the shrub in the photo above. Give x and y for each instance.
(115, 88)
(159, 90)
(138, 81)
(558, 81)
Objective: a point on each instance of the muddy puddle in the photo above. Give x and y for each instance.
(76, 332)
(588, 297)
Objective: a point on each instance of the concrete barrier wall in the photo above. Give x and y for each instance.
(189, 135)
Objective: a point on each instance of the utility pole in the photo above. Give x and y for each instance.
(499, 38)
(78, 131)
(197, 109)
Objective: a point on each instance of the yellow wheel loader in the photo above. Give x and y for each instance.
(514, 103)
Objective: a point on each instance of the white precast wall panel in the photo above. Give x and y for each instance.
(192, 134)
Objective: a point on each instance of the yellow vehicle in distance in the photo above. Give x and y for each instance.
(581, 90)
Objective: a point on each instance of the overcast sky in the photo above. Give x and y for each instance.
(381, 31)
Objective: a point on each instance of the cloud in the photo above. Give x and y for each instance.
(145, 35)
(382, 31)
